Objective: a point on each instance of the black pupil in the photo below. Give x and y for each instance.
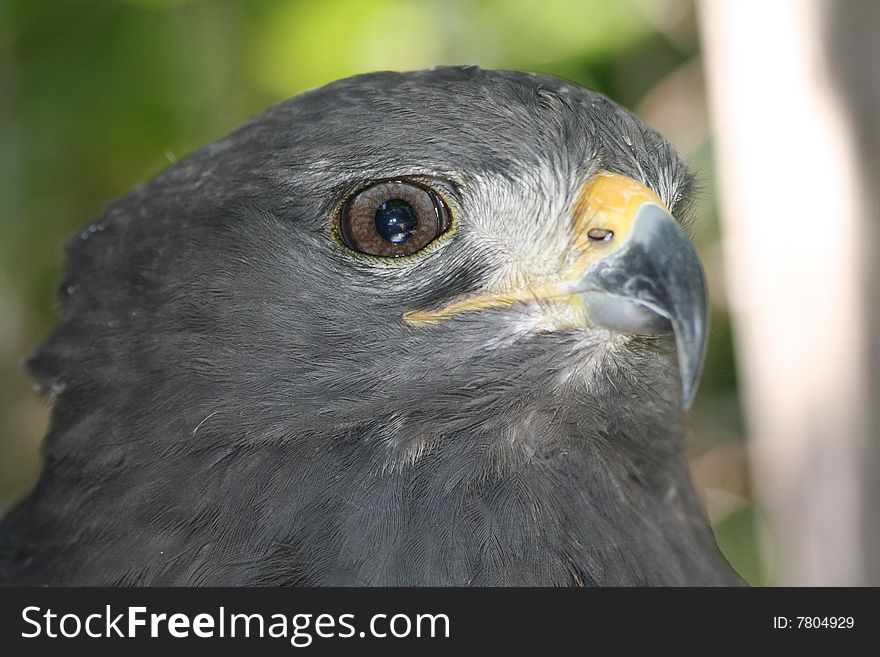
(396, 220)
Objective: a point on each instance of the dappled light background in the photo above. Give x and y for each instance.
(97, 96)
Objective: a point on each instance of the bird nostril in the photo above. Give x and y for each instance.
(600, 234)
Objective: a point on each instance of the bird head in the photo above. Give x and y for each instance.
(357, 304)
(395, 246)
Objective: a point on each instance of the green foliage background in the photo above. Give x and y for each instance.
(98, 95)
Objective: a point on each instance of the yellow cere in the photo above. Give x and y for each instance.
(607, 201)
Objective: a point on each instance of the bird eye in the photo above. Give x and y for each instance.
(392, 219)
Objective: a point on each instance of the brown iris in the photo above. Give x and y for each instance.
(392, 219)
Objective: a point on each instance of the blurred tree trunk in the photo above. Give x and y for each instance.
(855, 45)
(791, 100)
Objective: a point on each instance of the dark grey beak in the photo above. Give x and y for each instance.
(652, 285)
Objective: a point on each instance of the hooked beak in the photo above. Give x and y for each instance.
(653, 284)
(636, 272)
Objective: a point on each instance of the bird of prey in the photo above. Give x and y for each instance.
(426, 328)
